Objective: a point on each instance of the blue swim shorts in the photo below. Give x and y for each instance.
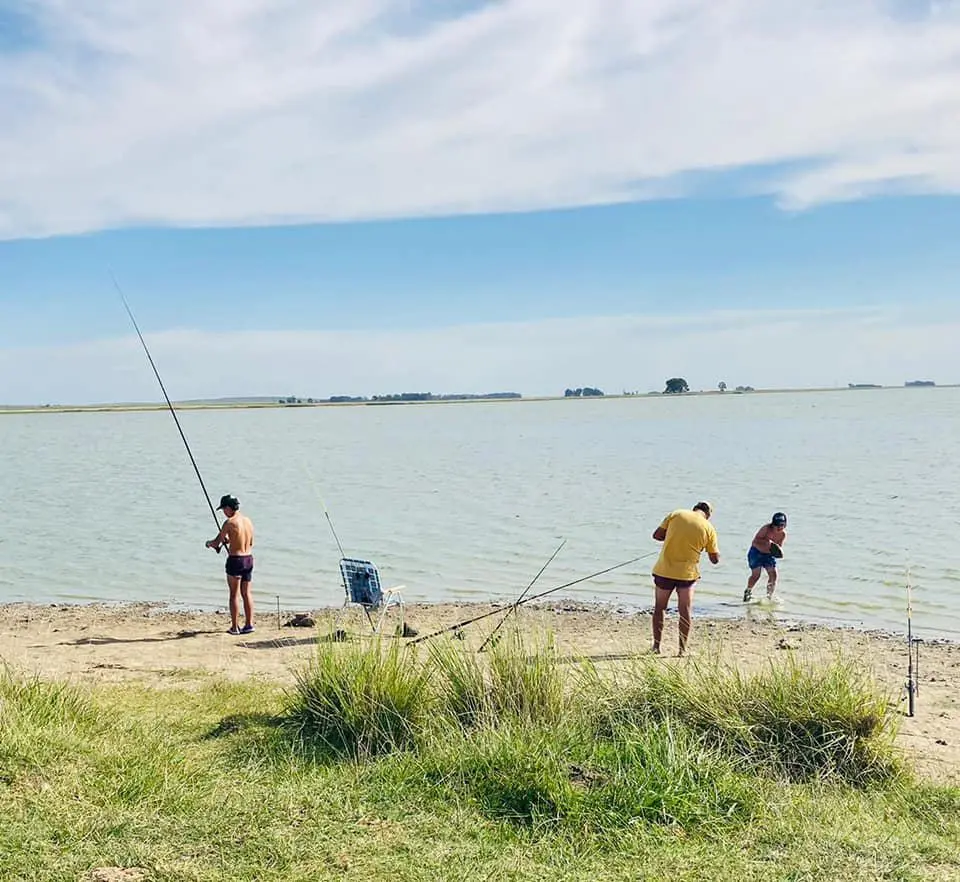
(758, 560)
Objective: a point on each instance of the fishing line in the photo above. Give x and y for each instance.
(519, 600)
(173, 413)
(531, 598)
(316, 489)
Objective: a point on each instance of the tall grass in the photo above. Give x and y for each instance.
(360, 701)
(518, 736)
(39, 723)
(208, 783)
(512, 684)
(795, 720)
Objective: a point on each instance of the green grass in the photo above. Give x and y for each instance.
(378, 762)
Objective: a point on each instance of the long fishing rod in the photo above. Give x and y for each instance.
(519, 600)
(316, 490)
(486, 615)
(173, 413)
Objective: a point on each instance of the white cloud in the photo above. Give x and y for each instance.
(637, 353)
(225, 112)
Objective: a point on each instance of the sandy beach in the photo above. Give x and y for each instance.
(161, 648)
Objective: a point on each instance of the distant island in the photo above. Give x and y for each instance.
(919, 383)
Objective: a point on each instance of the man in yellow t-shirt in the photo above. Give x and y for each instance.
(685, 535)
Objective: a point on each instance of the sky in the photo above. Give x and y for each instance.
(317, 198)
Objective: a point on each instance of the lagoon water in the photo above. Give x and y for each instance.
(466, 501)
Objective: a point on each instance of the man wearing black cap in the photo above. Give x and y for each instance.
(763, 554)
(237, 534)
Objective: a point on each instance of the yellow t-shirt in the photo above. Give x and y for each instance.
(689, 534)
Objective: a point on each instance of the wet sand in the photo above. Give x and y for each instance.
(162, 648)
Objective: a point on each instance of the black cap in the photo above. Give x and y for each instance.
(228, 501)
(779, 519)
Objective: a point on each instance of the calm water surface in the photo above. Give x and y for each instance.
(467, 501)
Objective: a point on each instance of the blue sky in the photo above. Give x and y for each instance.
(482, 195)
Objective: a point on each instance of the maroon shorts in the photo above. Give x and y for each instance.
(240, 566)
(665, 584)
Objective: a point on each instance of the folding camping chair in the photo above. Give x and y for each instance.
(361, 585)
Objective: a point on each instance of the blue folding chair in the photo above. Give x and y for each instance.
(361, 585)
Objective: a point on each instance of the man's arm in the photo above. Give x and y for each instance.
(713, 548)
(219, 539)
(661, 532)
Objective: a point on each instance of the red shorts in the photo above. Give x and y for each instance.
(665, 584)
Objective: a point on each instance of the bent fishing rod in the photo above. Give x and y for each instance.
(316, 489)
(173, 413)
(519, 600)
(530, 599)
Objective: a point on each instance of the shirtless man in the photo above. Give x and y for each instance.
(237, 534)
(760, 556)
(685, 535)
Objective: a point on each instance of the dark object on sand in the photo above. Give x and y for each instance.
(301, 620)
(776, 551)
(407, 631)
(336, 636)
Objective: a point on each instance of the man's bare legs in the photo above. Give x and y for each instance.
(233, 583)
(771, 581)
(751, 583)
(247, 603)
(685, 608)
(662, 598)
(240, 591)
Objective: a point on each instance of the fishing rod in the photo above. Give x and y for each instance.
(519, 600)
(316, 490)
(913, 672)
(486, 615)
(173, 413)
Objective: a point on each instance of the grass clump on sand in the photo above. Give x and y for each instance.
(796, 721)
(360, 702)
(379, 762)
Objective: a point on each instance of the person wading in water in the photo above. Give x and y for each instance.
(237, 534)
(764, 552)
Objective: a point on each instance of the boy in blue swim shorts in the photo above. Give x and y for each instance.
(760, 556)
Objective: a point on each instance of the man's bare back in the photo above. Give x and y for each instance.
(238, 534)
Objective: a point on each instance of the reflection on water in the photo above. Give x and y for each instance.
(467, 501)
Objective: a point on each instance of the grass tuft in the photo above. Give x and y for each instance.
(798, 721)
(360, 701)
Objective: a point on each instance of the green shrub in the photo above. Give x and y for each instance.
(800, 722)
(360, 701)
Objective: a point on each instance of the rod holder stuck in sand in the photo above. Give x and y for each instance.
(913, 658)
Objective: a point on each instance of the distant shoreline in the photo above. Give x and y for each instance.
(278, 405)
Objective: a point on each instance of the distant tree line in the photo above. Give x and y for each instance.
(403, 396)
(583, 392)
(429, 396)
